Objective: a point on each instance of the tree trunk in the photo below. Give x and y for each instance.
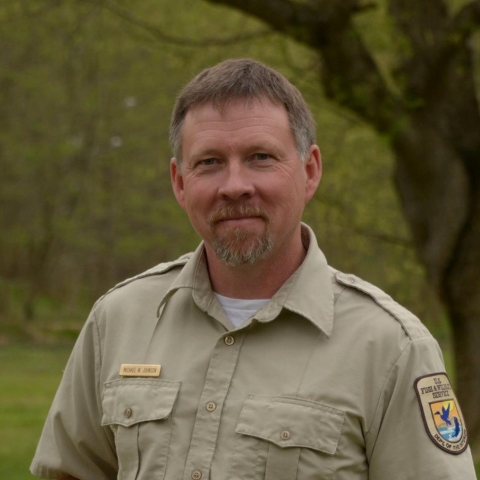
(442, 206)
(462, 297)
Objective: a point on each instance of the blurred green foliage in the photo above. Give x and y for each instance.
(85, 197)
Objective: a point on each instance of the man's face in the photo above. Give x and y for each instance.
(241, 180)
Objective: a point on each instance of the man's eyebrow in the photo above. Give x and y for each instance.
(205, 152)
(260, 144)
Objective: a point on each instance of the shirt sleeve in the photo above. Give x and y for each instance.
(73, 442)
(399, 446)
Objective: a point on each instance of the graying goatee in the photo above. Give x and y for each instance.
(240, 246)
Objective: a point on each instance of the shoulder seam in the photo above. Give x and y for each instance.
(333, 272)
(159, 269)
(351, 281)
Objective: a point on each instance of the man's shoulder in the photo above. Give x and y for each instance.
(161, 274)
(363, 295)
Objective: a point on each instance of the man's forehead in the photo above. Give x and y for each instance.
(222, 106)
(238, 118)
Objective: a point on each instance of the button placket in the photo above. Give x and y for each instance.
(217, 383)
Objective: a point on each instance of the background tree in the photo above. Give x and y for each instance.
(85, 199)
(427, 105)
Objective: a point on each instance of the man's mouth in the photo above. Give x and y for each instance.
(238, 220)
(237, 214)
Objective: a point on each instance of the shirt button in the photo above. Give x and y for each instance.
(211, 406)
(351, 279)
(128, 412)
(196, 475)
(229, 340)
(285, 435)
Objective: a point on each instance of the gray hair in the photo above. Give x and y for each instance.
(243, 79)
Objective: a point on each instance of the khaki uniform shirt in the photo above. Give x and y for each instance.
(319, 384)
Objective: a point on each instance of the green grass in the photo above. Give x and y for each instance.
(28, 380)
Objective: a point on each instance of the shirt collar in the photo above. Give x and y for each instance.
(308, 292)
(194, 276)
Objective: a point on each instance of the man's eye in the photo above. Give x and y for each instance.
(207, 161)
(261, 156)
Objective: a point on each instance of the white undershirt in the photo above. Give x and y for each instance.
(238, 309)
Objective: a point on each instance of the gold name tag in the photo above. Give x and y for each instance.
(133, 370)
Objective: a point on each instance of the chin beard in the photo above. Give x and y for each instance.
(241, 247)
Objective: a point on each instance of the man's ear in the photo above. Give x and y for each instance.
(313, 169)
(177, 181)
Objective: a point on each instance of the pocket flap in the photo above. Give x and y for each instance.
(291, 422)
(130, 401)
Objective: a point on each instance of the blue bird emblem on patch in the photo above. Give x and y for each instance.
(445, 414)
(443, 423)
(441, 412)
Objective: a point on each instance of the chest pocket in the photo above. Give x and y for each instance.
(139, 412)
(283, 438)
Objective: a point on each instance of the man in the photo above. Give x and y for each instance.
(251, 358)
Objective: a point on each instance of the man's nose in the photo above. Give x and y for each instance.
(237, 182)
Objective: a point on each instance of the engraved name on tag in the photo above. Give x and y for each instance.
(134, 370)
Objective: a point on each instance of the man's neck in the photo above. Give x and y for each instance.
(261, 279)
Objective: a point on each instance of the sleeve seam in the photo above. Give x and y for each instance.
(402, 353)
(98, 360)
(369, 429)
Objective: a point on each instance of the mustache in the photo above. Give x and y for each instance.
(228, 212)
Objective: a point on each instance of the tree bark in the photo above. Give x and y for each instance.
(434, 128)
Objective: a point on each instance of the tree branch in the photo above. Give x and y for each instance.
(363, 7)
(155, 32)
(285, 16)
(424, 23)
(301, 21)
(434, 37)
(467, 20)
(350, 75)
(439, 62)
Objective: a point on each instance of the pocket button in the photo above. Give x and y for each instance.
(196, 475)
(285, 435)
(128, 412)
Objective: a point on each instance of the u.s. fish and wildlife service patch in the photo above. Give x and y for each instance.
(441, 412)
